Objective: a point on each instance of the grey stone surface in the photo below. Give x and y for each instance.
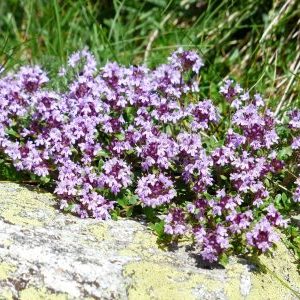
(45, 254)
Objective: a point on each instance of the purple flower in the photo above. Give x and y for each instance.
(262, 236)
(31, 78)
(223, 203)
(189, 144)
(158, 151)
(175, 222)
(186, 60)
(203, 114)
(294, 119)
(258, 129)
(239, 221)
(213, 243)
(166, 111)
(197, 171)
(231, 92)
(296, 143)
(116, 175)
(223, 155)
(274, 217)
(199, 234)
(90, 64)
(154, 190)
(198, 208)
(296, 195)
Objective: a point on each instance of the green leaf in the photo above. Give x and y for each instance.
(284, 197)
(267, 182)
(13, 133)
(120, 136)
(285, 152)
(224, 260)
(129, 211)
(128, 199)
(277, 201)
(45, 179)
(133, 200)
(122, 202)
(114, 215)
(150, 213)
(223, 177)
(158, 228)
(100, 164)
(285, 201)
(102, 153)
(278, 198)
(69, 208)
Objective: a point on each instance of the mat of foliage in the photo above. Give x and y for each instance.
(129, 140)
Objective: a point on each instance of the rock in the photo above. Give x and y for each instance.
(45, 254)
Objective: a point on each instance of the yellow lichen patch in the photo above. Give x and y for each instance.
(283, 264)
(6, 295)
(144, 245)
(278, 277)
(40, 294)
(157, 281)
(15, 216)
(23, 207)
(232, 288)
(267, 287)
(5, 269)
(154, 277)
(128, 252)
(99, 231)
(6, 243)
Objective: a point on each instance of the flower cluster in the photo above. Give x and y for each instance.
(296, 196)
(116, 175)
(294, 123)
(262, 236)
(155, 190)
(106, 131)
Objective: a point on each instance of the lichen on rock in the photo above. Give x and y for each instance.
(45, 254)
(5, 268)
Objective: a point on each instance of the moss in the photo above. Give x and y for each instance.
(40, 294)
(5, 269)
(128, 252)
(159, 281)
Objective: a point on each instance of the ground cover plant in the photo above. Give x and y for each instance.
(117, 140)
(256, 42)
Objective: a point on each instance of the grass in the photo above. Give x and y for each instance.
(256, 42)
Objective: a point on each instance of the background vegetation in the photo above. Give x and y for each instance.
(256, 42)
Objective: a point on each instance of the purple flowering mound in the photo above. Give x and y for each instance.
(131, 139)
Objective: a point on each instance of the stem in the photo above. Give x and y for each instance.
(57, 17)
